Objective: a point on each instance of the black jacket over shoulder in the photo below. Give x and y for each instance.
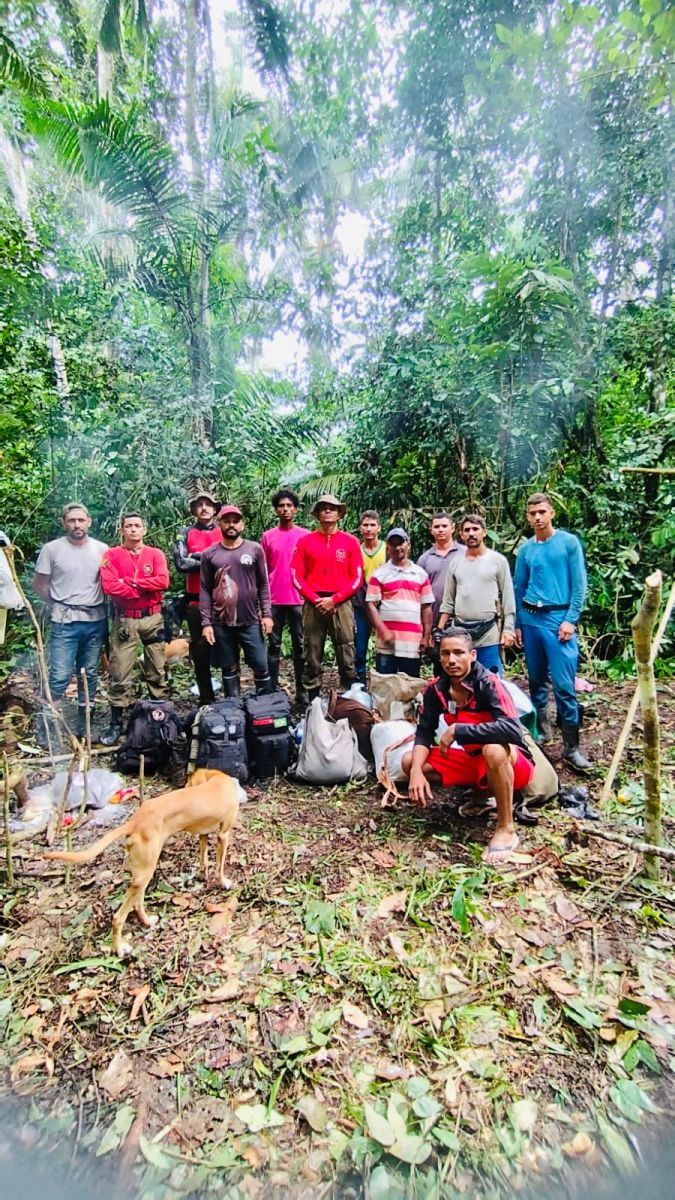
(487, 695)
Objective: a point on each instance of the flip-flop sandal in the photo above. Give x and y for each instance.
(477, 808)
(500, 853)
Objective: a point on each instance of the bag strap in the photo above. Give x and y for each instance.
(384, 777)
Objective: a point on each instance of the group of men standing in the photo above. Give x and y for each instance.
(240, 595)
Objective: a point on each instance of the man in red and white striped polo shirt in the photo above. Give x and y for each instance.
(400, 600)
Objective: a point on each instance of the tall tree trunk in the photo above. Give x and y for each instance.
(200, 357)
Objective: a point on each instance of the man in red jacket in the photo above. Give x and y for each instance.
(187, 552)
(327, 570)
(134, 576)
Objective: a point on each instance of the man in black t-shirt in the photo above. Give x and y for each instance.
(234, 601)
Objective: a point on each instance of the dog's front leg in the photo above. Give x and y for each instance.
(204, 856)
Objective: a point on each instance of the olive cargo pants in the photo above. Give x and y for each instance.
(339, 627)
(126, 635)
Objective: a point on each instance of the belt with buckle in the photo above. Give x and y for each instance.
(135, 614)
(537, 608)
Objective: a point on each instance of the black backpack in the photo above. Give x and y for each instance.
(221, 738)
(270, 743)
(157, 731)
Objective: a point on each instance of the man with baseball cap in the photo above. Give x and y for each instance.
(327, 570)
(234, 601)
(400, 602)
(188, 548)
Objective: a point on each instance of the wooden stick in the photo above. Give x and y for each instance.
(648, 470)
(633, 706)
(5, 817)
(87, 752)
(642, 626)
(141, 778)
(631, 843)
(42, 657)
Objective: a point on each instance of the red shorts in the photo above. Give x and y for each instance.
(459, 769)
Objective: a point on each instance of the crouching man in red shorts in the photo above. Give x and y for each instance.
(468, 734)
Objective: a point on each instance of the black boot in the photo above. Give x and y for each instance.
(273, 666)
(264, 685)
(571, 752)
(231, 685)
(117, 725)
(81, 721)
(544, 726)
(301, 697)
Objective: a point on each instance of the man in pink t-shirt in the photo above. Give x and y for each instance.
(278, 545)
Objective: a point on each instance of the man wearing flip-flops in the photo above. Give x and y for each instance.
(481, 744)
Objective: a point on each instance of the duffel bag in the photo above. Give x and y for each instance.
(329, 752)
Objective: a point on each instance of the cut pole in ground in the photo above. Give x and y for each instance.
(633, 706)
(642, 626)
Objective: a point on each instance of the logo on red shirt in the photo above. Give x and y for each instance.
(340, 555)
(147, 569)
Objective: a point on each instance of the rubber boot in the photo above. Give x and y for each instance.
(571, 752)
(544, 729)
(301, 697)
(115, 732)
(264, 685)
(273, 666)
(231, 685)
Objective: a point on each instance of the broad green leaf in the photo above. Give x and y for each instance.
(257, 1116)
(109, 964)
(378, 1126)
(154, 1155)
(447, 1138)
(411, 1149)
(632, 1008)
(294, 1045)
(116, 1131)
(314, 1112)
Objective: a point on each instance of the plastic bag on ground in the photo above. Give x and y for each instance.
(329, 752)
(395, 689)
(390, 740)
(104, 789)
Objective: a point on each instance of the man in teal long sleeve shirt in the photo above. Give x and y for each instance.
(550, 586)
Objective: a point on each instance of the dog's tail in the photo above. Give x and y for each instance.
(93, 851)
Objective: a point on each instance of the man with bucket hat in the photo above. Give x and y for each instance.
(327, 570)
(400, 601)
(188, 548)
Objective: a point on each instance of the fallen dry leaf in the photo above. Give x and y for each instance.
(561, 987)
(383, 858)
(566, 910)
(384, 1069)
(140, 995)
(392, 904)
(163, 1068)
(30, 1063)
(117, 1075)
(579, 1145)
(221, 920)
(183, 900)
(195, 1019)
(354, 1016)
(226, 991)
(399, 949)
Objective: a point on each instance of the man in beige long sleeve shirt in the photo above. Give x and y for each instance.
(478, 589)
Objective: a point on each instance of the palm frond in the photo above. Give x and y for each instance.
(269, 30)
(15, 69)
(133, 169)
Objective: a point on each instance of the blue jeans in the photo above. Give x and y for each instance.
(545, 654)
(391, 664)
(74, 646)
(362, 637)
(490, 658)
(249, 638)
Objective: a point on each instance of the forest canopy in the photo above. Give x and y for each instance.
(415, 253)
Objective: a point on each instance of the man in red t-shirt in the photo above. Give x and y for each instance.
(327, 570)
(187, 552)
(135, 576)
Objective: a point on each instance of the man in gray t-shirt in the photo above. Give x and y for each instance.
(478, 591)
(436, 560)
(67, 577)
